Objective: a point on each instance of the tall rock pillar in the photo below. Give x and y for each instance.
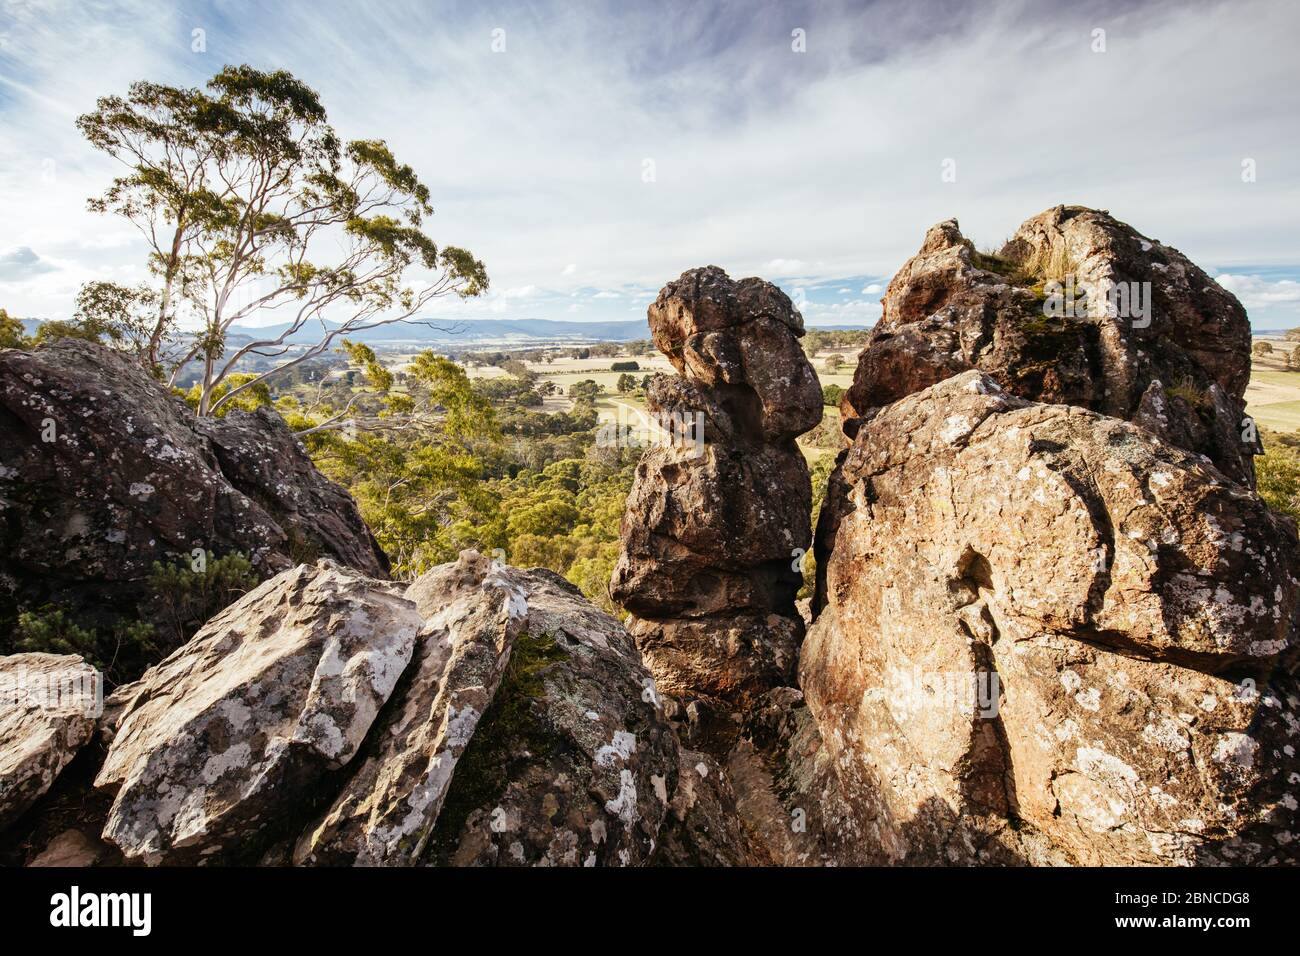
(718, 518)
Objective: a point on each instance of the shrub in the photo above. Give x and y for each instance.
(119, 651)
(189, 593)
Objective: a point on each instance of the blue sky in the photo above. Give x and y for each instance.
(820, 170)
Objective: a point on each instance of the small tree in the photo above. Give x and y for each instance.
(1261, 348)
(833, 361)
(245, 194)
(626, 383)
(587, 389)
(13, 335)
(1293, 358)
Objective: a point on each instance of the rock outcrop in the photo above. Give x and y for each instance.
(1050, 636)
(236, 729)
(1053, 623)
(483, 716)
(717, 520)
(103, 473)
(527, 734)
(1134, 330)
(49, 704)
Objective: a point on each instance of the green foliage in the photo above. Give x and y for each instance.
(188, 593)
(587, 389)
(52, 630)
(13, 335)
(364, 356)
(626, 383)
(1277, 473)
(566, 517)
(242, 189)
(256, 395)
(420, 484)
(1195, 396)
(821, 473)
(1261, 348)
(831, 395)
(991, 262)
(625, 367)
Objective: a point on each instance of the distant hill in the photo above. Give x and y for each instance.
(463, 332)
(446, 331)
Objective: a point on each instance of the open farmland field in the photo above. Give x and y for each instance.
(1273, 395)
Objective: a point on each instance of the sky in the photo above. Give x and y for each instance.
(590, 152)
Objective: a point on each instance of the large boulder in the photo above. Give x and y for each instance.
(1049, 636)
(716, 523)
(227, 739)
(573, 762)
(485, 715)
(1147, 337)
(49, 704)
(103, 472)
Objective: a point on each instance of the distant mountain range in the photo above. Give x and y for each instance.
(463, 332)
(447, 331)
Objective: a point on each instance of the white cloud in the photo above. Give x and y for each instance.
(821, 166)
(781, 268)
(21, 263)
(1259, 293)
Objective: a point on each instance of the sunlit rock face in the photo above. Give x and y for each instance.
(1077, 308)
(715, 525)
(1048, 635)
(485, 715)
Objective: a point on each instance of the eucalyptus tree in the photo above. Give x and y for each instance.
(255, 210)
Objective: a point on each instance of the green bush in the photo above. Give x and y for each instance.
(188, 593)
(118, 651)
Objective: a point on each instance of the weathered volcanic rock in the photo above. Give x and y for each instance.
(573, 763)
(385, 812)
(103, 473)
(48, 708)
(1048, 635)
(704, 827)
(739, 340)
(225, 740)
(714, 528)
(1179, 369)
